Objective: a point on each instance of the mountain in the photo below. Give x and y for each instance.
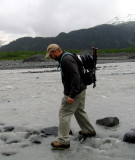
(119, 20)
(104, 36)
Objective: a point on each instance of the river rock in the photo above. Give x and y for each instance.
(32, 132)
(50, 131)
(8, 128)
(108, 121)
(27, 135)
(10, 141)
(25, 145)
(36, 140)
(4, 138)
(2, 124)
(129, 137)
(43, 135)
(8, 153)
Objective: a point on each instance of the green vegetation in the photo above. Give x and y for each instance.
(74, 50)
(124, 50)
(20, 55)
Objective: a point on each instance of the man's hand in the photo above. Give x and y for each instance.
(70, 100)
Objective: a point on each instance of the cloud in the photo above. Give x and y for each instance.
(0, 43)
(48, 18)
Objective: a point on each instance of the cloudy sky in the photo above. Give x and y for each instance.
(47, 18)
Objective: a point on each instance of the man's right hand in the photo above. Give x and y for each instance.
(70, 100)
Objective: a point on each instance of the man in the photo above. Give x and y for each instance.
(73, 101)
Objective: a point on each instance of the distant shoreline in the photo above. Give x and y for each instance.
(104, 58)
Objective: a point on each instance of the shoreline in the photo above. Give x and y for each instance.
(20, 64)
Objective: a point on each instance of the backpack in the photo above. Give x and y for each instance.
(87, 68)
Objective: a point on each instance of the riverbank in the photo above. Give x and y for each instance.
(104, 58)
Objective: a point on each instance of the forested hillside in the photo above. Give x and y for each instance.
(103, 36)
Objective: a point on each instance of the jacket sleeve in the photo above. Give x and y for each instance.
(71, 71)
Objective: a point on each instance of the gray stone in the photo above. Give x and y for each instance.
(8, 153)
(2, 124)
(43, 135)
(4, 138)
(36, 140)
(8, 128)
(25, 145)
(108, 121)
(31, 132)
(50, 131)
(129, 137)
(27, 135)
(12, 141)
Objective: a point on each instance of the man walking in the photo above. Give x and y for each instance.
(73, 101)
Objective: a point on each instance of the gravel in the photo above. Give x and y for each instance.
(112, 58)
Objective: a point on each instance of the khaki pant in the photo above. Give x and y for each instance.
(65, 114)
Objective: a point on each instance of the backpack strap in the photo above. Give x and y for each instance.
(64, 54)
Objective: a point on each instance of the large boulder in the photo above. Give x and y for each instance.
(35, 58)
(129, 137)
(85, 52)
(8, 128)
(108, 121)
(50, 131)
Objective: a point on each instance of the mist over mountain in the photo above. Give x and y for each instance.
(115, 34)
(0, 43)
(119, 20)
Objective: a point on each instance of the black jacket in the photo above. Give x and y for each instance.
(70, 77)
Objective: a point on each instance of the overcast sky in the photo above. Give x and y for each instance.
(47, 18)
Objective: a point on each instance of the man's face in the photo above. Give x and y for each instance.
(55, 54)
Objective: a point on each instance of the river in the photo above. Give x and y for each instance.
(30, 99)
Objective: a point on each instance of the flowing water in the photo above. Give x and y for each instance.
(30, 100)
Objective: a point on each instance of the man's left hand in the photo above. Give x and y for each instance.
(70, 100)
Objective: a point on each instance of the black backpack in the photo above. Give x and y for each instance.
(87, 67)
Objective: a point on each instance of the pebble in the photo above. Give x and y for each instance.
(12, 141)
(8, 153)
(36, 140)
(8, 128)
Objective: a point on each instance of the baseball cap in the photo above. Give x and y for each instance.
(50, 48)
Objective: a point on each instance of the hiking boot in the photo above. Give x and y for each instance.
(58, 145)
(83, 136)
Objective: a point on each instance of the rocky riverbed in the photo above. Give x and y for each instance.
(30, 100)
(38, 61)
